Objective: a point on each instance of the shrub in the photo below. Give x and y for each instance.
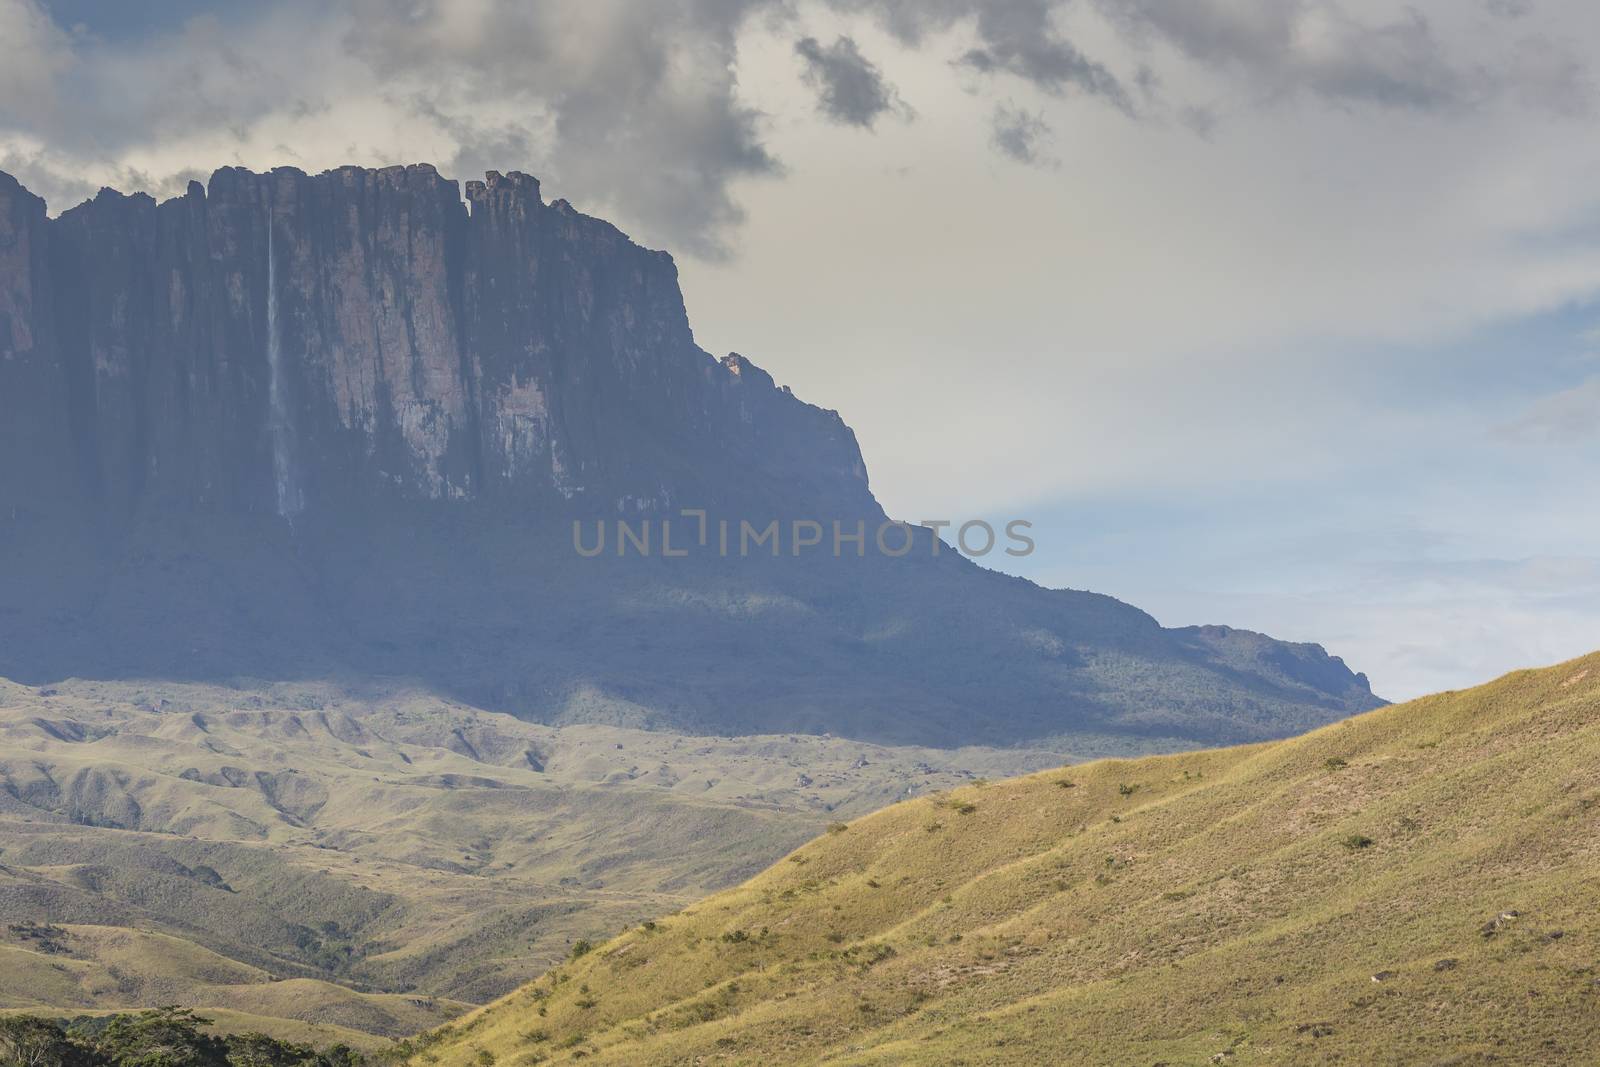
(1358, 841)
(582, 947)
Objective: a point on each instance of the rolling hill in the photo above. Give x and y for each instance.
(374, 858)
(1419, 884)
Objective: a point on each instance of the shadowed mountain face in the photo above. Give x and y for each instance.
(299, 426)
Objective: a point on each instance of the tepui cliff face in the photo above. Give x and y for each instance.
(284, 341)
(293, 425)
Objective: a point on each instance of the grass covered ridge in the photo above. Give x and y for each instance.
(1417, 884)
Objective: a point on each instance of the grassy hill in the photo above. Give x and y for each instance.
(374, 858)
(1420, 884)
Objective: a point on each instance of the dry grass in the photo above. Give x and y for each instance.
(1204, 907)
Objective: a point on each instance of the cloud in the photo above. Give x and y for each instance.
(1020, 38)
(631, 109)
(1316, 48)
(1283, 49)
(638, 111)
(34, 53)
(1020, 135)
(1567, 417)
(1508, 9)
(635, 106)
(850, 89)
(1016, 37)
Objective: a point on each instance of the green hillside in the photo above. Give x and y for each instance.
(1420, 884)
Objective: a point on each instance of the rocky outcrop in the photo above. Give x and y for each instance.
(293, 425)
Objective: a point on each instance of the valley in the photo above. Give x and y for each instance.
(371, 857)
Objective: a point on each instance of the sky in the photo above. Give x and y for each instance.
(1277, 313)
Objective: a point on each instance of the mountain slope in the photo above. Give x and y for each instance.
(296, 426)
(1420, 884)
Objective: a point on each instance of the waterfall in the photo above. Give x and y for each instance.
(280, 424)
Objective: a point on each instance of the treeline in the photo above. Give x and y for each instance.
(164, 1037)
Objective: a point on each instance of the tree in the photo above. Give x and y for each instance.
(259, 1050)
(28, 1041)
(162, 1037)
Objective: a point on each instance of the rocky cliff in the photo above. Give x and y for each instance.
(286, 342)
(293, 424)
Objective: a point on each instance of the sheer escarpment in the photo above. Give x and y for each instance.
(293, 426)
(363, 334)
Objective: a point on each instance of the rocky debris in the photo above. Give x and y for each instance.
(1498, 923)
(1446, 965)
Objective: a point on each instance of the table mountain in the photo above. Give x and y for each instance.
(294, 426)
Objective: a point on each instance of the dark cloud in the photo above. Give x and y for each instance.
(1016, 37)
(1020, 38)
(850, 89)
(629, 106)
(1020, 135)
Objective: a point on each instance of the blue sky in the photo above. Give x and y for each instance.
(1285, 315)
